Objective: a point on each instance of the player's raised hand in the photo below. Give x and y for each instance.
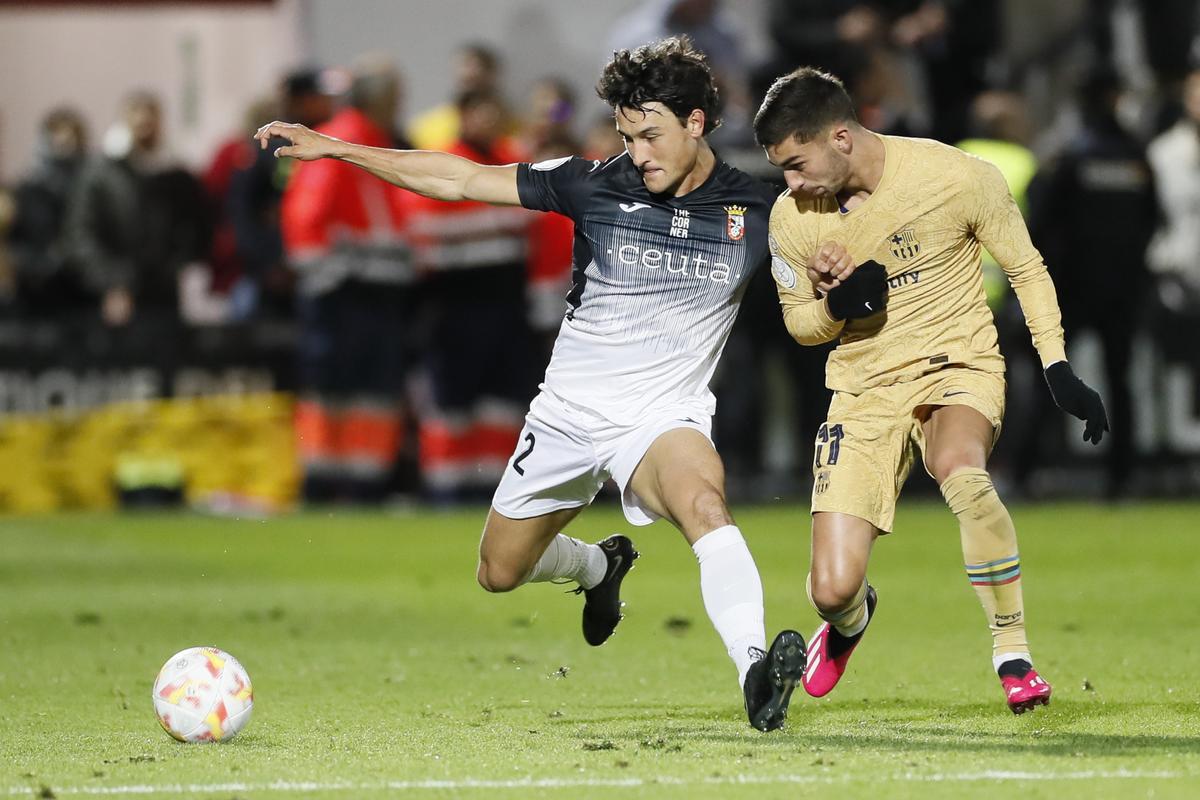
(1078, 399)
(829, 267)
(303, 144)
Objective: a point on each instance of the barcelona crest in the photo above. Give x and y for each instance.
(904, 244)
(735, 226)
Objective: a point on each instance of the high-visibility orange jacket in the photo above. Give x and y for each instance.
(469, 235)
(340, 222)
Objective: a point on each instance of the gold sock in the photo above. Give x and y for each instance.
(851, 620)
(989, 543)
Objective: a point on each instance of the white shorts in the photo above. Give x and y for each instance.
(567, 452)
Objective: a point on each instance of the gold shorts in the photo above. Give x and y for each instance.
(869, 441)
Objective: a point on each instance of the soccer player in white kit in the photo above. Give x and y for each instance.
(666, 238)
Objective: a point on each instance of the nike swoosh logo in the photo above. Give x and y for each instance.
(1007, 624)
(868, 305)
(616, 564)
(629, 208)
(1014, 690)
(952, 394)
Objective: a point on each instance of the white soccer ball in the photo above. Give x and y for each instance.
(203, 694)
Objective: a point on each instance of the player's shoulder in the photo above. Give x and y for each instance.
(937, 154)
(744, 186)
(930, 159)
(924, 155)
(616, 168)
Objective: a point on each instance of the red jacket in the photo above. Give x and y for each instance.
(341, 222)
(468, 234)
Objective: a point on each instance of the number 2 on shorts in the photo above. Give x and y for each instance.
(529, 437)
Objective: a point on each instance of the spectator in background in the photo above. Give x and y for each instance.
(713, 33)
(46, 282)
(345, 234)
(940, 50)
(889, 93)
(1152, 45)
(602, 139)
(255, 190)
(958, 42)
(547, 134)
(999, 132)
(8, 280)
(549, 119)
(1174, 253)
(136, 220)
(477, 352)
(835, 35)
(477, 69)
(1175, 249)
(1092, 214)
(235, 155)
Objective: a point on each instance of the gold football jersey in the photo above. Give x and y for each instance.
(926, 223)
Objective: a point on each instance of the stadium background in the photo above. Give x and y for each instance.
(72, 388)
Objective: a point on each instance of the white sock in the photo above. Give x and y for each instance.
(998, 661)
(733, 593)
(570, 558)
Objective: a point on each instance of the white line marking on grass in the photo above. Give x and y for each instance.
(301, 787)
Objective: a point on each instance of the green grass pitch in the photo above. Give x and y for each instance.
(380, 669)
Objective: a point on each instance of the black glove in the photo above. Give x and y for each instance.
(862, 294)
(1077, 399)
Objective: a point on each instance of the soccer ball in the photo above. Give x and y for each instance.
(202, 694)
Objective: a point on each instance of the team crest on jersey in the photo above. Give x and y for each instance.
(735, 226)
(904, 244)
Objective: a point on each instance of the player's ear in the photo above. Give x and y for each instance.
(695, 123)
(841, 139)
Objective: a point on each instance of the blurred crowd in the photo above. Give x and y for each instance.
(422, 327)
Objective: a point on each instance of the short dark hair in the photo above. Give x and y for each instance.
(465, 101)
(802, 103)
(484, 54)
(670, 71)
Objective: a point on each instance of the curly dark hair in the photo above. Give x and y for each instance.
(670, 71)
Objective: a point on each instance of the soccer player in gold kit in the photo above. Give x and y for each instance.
(877, 244)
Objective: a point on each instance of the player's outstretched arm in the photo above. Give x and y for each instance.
(441, 176)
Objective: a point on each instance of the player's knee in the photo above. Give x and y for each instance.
(495, 577)
(833, 591)
(944, 464)
(709, 510)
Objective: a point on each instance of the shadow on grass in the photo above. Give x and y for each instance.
(1064, 730)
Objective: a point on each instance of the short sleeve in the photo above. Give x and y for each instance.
(560, 184)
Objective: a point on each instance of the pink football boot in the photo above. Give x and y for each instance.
(829, 652)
